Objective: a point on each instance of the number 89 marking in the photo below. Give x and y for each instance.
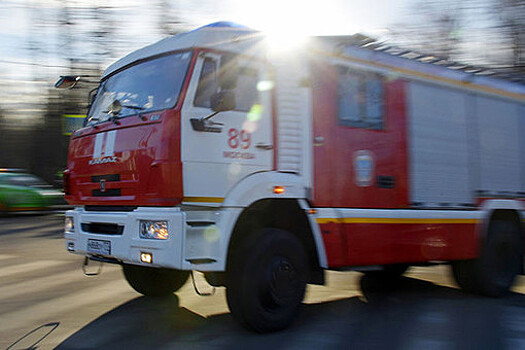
(238, 138)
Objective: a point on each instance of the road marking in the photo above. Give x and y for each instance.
(114, 293)
(6, 256)
(29, 267)
(43, 223)
(49, 282)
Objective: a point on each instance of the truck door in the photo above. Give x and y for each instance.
(359, 138)
(359, 158)
(220, 150)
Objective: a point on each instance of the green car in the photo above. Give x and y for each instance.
(25, 192)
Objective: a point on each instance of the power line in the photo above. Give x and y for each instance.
(45, 65)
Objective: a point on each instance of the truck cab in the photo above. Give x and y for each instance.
(178, 143)
(173, 128)
(157, 122)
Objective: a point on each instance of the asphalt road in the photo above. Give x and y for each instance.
(46, 302)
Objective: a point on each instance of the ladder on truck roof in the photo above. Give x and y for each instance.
(365, 42)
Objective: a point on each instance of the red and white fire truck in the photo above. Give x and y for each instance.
(208, 151)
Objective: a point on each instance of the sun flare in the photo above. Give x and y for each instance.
(288, 23)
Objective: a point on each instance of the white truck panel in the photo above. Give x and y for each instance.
(439, 161)
(499, 145)
(260, 186)
(213, 179)
(294, 123)
(128, 246)
(463, 145)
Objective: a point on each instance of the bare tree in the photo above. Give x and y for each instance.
(103, 33)
(431, 27)
(510, 16)
(168, 20)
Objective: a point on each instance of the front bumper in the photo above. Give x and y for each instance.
(124, 244)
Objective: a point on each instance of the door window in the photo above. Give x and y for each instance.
(360, 99)
(207, 83)
(245, 91)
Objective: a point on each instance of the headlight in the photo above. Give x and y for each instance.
(154, 229)
(69, 225)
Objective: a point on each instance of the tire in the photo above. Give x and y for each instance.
(266, 280)
(389, 272)
(493, 273)
(154, 282)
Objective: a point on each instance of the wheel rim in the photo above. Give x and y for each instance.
(282, 284)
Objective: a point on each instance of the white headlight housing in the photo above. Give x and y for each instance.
(69, 225)
(153, 229)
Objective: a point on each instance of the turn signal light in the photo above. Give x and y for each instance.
(146, 258)
(278, 189)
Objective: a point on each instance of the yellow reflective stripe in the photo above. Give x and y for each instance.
(203, 199)
(395, 221)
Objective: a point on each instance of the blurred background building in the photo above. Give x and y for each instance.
(43, 39)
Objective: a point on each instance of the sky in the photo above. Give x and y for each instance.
(326, 17)
(136, 23)
(22, 28)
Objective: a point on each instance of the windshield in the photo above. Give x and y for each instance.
(148, 86)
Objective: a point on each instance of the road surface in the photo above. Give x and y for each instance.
(46, 302)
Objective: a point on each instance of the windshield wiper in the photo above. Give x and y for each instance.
(116, 107)
(134, 107)
(92, 120)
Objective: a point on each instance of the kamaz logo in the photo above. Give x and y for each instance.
(103, 160)
(104, 148)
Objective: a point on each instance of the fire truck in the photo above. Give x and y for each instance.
(208, 151)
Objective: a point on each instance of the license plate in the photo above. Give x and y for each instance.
(99, 246)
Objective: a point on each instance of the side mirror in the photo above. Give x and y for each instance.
(67, 82)
(223, 101)
(115, 108)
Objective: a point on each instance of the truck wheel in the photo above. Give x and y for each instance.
(154, 282)
(389, 272)
(493, 273)
(266, 280)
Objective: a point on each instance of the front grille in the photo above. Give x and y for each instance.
(112, 177)
(114, 192)
(109, 208)
(104, 191)
(102, 228)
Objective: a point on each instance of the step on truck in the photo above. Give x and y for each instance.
(209, 151)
